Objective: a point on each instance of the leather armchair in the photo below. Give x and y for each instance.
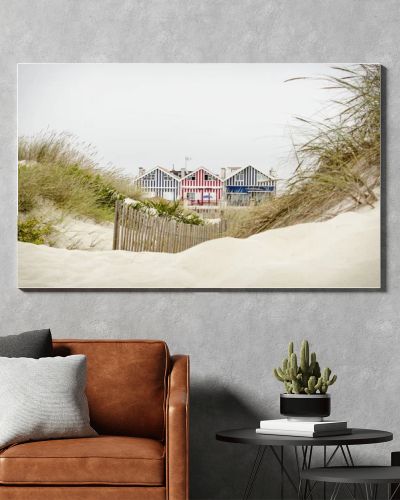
(139, 404)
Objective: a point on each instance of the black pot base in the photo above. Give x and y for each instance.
(305, 406)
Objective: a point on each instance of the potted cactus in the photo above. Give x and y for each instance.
(306, 386)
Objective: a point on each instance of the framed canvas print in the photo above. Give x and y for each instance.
(199, 176)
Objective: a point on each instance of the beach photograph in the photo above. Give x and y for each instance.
(199, 176)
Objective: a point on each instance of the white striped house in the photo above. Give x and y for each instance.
(159, 182)
(246, 185)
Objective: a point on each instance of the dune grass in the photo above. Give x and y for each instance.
(173, 210)
(34, 230)
(338, 164)
(52, 167)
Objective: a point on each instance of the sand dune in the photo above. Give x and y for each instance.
(343, 252)
(73, 233)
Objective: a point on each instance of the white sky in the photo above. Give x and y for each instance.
(137, 115)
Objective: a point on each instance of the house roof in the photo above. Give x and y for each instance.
(177, 173)
(205, 170)
(164, 170)
(247, 166)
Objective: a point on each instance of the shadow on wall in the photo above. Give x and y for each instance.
(220, 470)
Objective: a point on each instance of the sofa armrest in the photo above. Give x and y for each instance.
(177, 431)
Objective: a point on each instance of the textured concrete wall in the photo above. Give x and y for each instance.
(234, 338)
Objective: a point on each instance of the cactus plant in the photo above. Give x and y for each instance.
(304, 377)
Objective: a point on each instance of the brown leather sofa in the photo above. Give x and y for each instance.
(139, 400)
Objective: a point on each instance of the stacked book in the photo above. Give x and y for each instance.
(303, 428)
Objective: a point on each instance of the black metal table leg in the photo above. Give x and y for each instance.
(279, 456)
(282, 490)
(324, 466)
(284, 470)
(254, 471)
(335, 491)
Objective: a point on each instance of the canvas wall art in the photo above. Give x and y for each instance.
(199, 176)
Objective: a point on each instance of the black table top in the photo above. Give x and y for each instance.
(353, 475)
(249, 436)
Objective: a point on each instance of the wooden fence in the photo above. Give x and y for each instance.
(139, 232)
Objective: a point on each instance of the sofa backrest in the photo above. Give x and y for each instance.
(126, 386)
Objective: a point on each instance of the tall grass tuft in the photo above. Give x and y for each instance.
(173, 210)
(338, 162)
(57, 168)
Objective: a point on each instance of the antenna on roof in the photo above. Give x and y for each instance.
(187, 159)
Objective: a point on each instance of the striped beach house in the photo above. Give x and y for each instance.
(247, 185)
(159, 183)
(201, 187)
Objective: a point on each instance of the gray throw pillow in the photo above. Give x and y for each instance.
(43, 399)
(34, 344)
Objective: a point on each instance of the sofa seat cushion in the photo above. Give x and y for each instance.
(103, 460)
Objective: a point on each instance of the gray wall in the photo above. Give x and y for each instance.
(234, 338)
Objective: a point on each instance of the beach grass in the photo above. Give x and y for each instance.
(34, 230)
(338, 159)
(56, 168)
(174, 210)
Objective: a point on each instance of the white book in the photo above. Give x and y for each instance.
(311, 434)
(303, 425)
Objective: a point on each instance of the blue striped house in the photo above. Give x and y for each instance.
(159, 182)
(247, 185)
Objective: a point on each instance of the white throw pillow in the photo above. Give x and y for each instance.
(43, 399)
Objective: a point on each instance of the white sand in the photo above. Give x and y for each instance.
(77, 234)
(343, 252)
(71, 232)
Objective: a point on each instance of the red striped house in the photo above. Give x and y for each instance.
(201, 187)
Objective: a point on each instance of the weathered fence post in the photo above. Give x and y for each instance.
(116, 225)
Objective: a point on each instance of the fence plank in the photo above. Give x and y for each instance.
(123, 225)
(130, 230)
(134, 232)
(141, 233)
(116, 226)
(164, 235)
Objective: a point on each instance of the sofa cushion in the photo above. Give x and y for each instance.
(126, 385)
(87, 492)
(103, 460)
(34, 344)
(43, 399)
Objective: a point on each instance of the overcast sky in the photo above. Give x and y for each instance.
(142, 115)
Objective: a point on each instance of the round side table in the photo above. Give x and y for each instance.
(303, 451)
(370, 477)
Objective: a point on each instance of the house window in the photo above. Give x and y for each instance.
(191, 196)
(151, 176)
(192, 177)
(240, 178)
(208, 177)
